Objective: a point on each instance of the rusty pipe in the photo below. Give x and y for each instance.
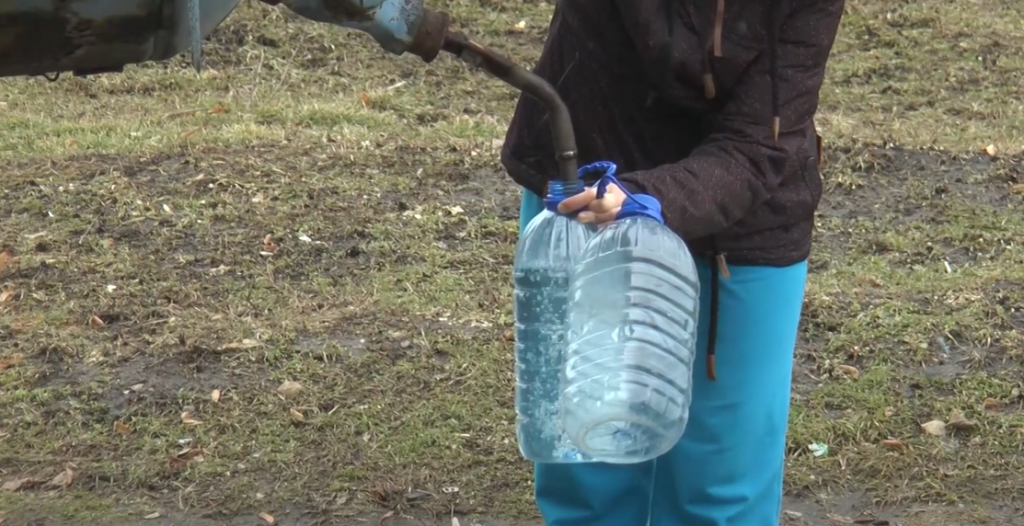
(504, 69)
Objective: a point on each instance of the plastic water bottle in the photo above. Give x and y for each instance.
(544, 261)
(633, 327)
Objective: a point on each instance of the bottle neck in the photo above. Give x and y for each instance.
(559, 191)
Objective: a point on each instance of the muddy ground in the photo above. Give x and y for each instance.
(281, 287)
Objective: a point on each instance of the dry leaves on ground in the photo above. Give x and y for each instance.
(289, 389)
(268, 247)
(188, 421)
(8, 259)
(122, 428)
(63, 479)
(20, 484)
(10, 362)
(893, 445)
(934, 428)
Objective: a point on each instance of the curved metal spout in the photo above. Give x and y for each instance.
(506, 70)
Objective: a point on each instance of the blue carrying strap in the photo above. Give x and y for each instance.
(635, 205)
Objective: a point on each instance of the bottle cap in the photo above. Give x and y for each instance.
(559, 191)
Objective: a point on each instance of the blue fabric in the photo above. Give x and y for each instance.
(727, 469)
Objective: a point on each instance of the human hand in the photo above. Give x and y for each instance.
(603, 210)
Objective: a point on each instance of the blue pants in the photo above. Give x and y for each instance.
(727, 469)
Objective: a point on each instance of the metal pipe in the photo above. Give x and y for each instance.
(504, 69)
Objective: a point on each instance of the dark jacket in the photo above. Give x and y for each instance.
(687, 97)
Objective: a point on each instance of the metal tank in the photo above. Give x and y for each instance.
(40, 37)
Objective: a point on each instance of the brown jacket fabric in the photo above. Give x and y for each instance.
(687, 97)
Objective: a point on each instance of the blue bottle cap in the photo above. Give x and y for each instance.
(559, 191)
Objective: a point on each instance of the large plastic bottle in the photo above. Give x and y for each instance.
(633, 326)
(544, 261)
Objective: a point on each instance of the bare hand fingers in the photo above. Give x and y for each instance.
(578, 201)
(606, 204)
(599, 218)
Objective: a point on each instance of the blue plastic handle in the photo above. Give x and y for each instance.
(641, 205)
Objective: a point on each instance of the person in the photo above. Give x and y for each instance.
(709, 107)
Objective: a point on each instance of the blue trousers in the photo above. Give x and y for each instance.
(727, 469)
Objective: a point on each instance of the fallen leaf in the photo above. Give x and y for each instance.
(8, 259)
(20, 484)
(190, 453)
(6, 295)
(215, 395)
(989, 150)
(62, 479)
(154, 515)
(365, 98)
(296, 415)
(509, 336)
(934, 428)
(991, 404)
(455, 521)
(519, 27)
(13, 361)
(187, 420)
(267, 518)
(894, 445)
(183, 457)
(289, 389)
(240, 346)
(96, 322)
(850, 371)
(1017, 189)
(960, 423)
(218, 110)
(417, 494)
(122, 429)
(381, 495)
(189, 133)
(268, 248)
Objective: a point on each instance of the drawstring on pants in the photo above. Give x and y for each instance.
(719, 270)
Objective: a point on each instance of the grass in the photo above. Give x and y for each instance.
(313, 210)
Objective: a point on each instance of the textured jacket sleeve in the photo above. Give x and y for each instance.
(740, 164)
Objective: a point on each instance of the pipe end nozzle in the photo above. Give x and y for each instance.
(430, 35)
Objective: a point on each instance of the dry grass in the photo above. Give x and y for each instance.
(140, 205)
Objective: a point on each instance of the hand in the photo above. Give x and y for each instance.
(595, 210)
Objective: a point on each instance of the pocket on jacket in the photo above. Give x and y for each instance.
(812, 179)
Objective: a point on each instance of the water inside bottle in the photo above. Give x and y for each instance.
(541, 310)
(633, 319)
(545, 257)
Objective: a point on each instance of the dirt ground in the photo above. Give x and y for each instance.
(278, 291)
